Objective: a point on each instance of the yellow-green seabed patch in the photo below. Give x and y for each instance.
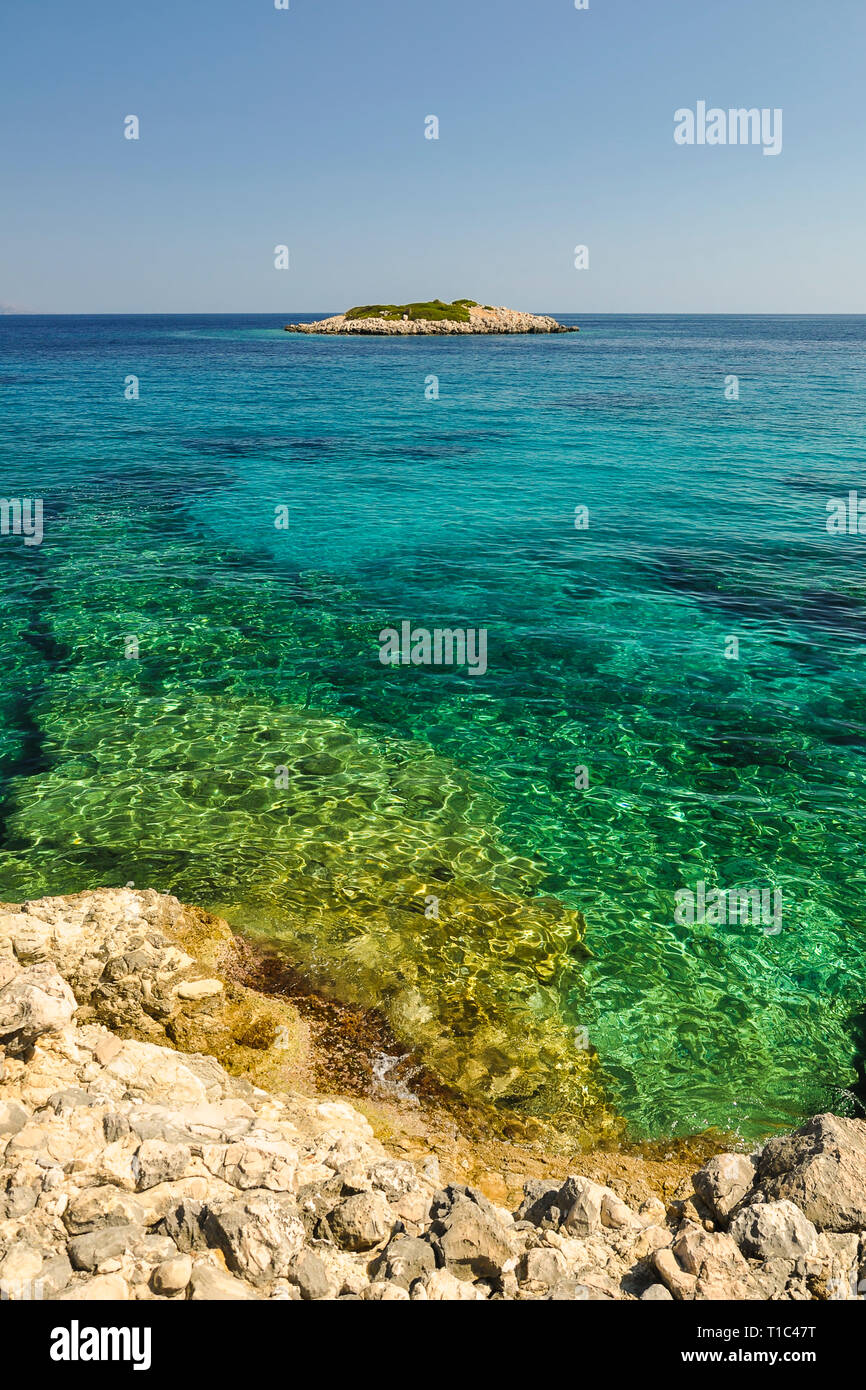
(373, 863)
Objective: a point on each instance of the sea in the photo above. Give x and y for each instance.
(530, 864)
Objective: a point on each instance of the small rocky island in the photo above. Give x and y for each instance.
(433, 316)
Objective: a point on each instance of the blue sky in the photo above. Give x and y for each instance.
(305, 127)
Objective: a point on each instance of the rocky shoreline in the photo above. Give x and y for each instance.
(482, 319)
(161, 1138)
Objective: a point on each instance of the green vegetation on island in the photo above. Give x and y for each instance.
(433, 311)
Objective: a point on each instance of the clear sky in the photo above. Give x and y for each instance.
(305, 127)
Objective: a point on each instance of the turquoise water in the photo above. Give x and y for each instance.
(258, 649)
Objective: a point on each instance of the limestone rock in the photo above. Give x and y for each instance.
(34, 1001)
(209, 1284)
(254, 1164)
(580, 1201)
(406, 1259)
(539, 1205)
(312, 1278)
(259, 1235)
(104, 1288)
(385, 1293)
(822, 1169)
(774, 1231)
(442, 1284)
(650, 1239)
(724, 1182)
(543, 1268)
(199, 989)
(92, 1250)
(473, 1243)
(362, 1222)
(679, 1283)
(715, 1262)
(172, 1276)
(615, 1213)
(155, 1162)
(13, 1117)
(104, 1205)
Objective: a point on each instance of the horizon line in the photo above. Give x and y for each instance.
(275, 313)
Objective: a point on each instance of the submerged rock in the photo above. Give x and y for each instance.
(354, 923)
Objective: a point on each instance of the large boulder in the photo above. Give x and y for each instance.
(474, 1244)
(311, 1276)
(774, 1231)
(93, 1249)
(713, 1261)
(408, 1258)
(259, 1236)
(580, 1200)
(155, 1162)
(822, 1169)
(471, 1234)
(724, 1182)
(362, 1221)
